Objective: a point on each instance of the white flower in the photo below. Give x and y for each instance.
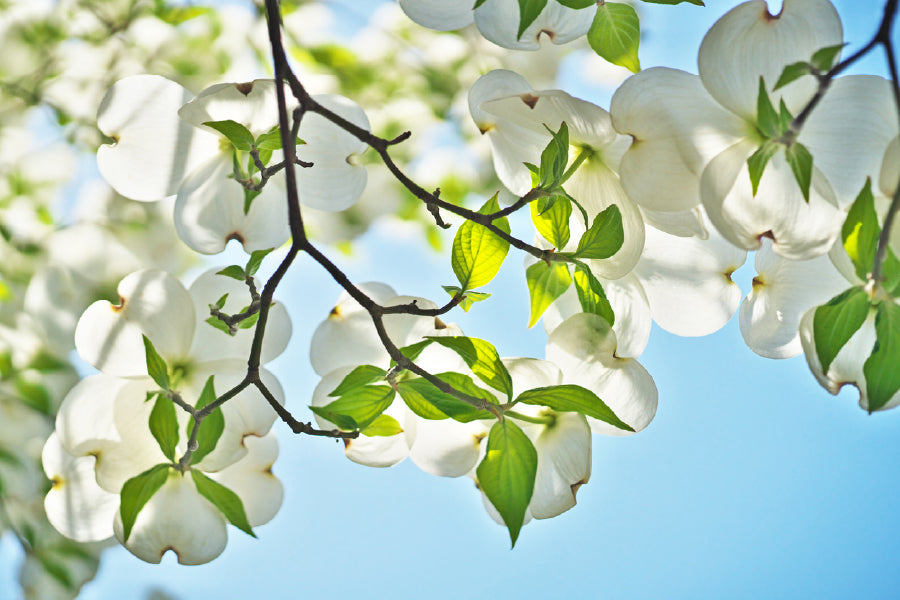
(162, 147)
(693, 135)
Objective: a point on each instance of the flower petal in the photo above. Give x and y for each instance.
(677, 128)
(497, 20)
(800, 229)
(85, 423)
(438, 14)
(782, 292)
(564, 464)
(152, 303)
(154, 150)
(749, 42)
(447, 448)
(251, 478)
(252, 104)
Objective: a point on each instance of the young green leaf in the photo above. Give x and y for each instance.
(785, 118)
(577, 4)
(256, 258)
(211, 428)
(506, 474)
(824, 58)
(469, 298)
(137, 491)
(573, 398)
(791, 73)
(673, 2)
(835, 322)
(220, 303)
(615, 35)
(591, 294)
(57, 570)
(249, 197)
(882, 368)
(239, 136)
(219, 324)
(482, 358)
(553, 222)
(757, 162)
(362, 404)
(528, 12)
(342, 422)
(156, 366)
(477, 252)
(428, 402)
(412, 351)
(228, 503)
(233, 271)
(478, 3)
(361, 376)
(383, 426)
(164, 425)
(861, 230)
(767, 118)
(605, 236)
(270, 140)
(546, 283)
(801, 163)
(554, 157)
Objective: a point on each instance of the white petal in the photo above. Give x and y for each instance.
(688, 281)
(209, 211)
(154, 149)
(749, 42)
(564, 465)
(334, 182)
(447, 448)
(889, 174)
(179, 519)
(677, 129)
(782, 292)
(683, 223)
(85, 423)
(849, 131)
(76, 506)
(251, 478)
(213, 344)
(583, 346)
(596, 186)
(498, 21)
(490, 86)
(252, 104)
(152, 303)
(438, 14)
(800, 229)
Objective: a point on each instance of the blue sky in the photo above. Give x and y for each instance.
(752, 481)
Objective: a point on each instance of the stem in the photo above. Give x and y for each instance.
(545, 420)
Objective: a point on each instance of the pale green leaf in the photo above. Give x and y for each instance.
(477, 252)
(239, 136)
(553, 222)
(546, 283)
(156, 366)
(573, 398)
(615, 35)
(361, 376)
(605, 236)
(228, 503)
(164, 425)
(482, 358)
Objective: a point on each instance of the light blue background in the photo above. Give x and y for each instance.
(752, 481)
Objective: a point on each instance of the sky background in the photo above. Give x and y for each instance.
(751, 482)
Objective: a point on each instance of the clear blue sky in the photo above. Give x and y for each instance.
(752, 482)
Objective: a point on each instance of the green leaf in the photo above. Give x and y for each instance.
(824, 58)
(553, 223)
(469, 298)
(342, 422)
(591, 294)
(882, 368)
(228, 503)
(757, 162)
(383, 426)
(785, 118)
(412, 351)
(239, 136)
(256, 258)
(233, 271)
(477, 252)
(137, 491)
(156, 366)
(270, 140)
(220, 303)
(361, 376)
(835, 322)
(573, 398)
(34, 395)
(175, 15)
(164, 425)
(605, 236)
(861, 230)
(427, 401)
(615, 35)
(44, 361)
(528, 12)
(482, 358)
(546, 283)
(577, 4)
(219, 324)
(212, 426)
(791, 73)
(801, 163)
(507, 472)
(249, 321)
(362, 404)
(249, 197)
(478, 3)
(57, 570)
(554, 157)
(766, 117)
